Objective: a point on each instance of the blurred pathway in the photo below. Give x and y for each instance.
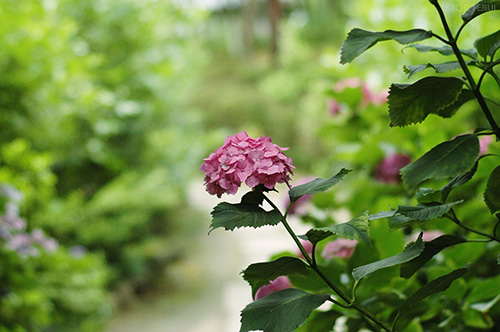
(219, 293)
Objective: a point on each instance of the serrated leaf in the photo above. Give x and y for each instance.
(427, 195)
(458, 180)
(438, 68)
(231, 216)
(488, 45)
(444, 160)
(480, 8)
(425, 212)
(435, 286)
(283, 311)
(355, 229)
(492, 192)
(315, 186)
(443, 50)
(450, 110)
(431, 248)
(398, 221)
(359, 40)
(382, 215)
(412, 103)
(260, 274)
(408, 254)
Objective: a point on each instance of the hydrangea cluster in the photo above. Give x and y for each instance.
(388, 169)
(243, 159)
(13, 227)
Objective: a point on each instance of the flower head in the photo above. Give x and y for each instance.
(243, 159)
(342, 248)
(275, 285)
(388, 169)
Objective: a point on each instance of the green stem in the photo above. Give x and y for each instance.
(479, 97)
(453, 217)
(314, 266)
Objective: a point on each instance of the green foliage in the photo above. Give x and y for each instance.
(231, 216)
(282, 311)
(316, 186)
(492, 193)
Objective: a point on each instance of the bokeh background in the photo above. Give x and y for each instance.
(108, 107)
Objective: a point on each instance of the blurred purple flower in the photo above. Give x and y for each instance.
(276, 285)
(342, 248)
(78, 251)
(333, 107)
(388, 169)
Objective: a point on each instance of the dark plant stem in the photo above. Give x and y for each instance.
(475, 89)
(453, 217)
(315, 267)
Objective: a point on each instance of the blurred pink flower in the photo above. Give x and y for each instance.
(307, 246)
(351, 83)
(388, 169)
(276, 285)
(426, 236)
(484, 142)
(333, 107)
(342, 248)
(245, 159)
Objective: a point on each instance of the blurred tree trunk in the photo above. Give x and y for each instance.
(274, 17)
(248, 28)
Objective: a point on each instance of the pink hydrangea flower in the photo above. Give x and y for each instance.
(308, 246)
(243, 159)
(342, 248)
(276, 285)
(484, 142)
(427, 236)
(388, 169)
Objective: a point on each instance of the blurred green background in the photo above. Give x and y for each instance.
(107, 108)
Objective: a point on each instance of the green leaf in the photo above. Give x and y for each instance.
(492, 192)
(231, 216)
(480, 8)
(427, 195)
(435, 286)
(260, 274)
(484, 307)
(412, 103)
(443, 50)
(458, 180)
(425, 212)
(316, 186)
(408, 254)
(359, 40)
(283, 311)
(444, 160)
(487, 45)
(430, 249)
(355, 229)
(320, 321)
(438, 68)
(450, 110)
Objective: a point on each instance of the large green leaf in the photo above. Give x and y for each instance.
(431, 248)
(260, 274)
(355, 229)
(435, 286)
(488, 45)
(412, 103)
(283, 311)
(443, 50)
(492, 193)
(438, 68)
(316, 186)
(359, 40)
(408, 254)
(480, 8)
(444, 160)
(459, 180)
(450, 110)
(426, 211)
(231, 216)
